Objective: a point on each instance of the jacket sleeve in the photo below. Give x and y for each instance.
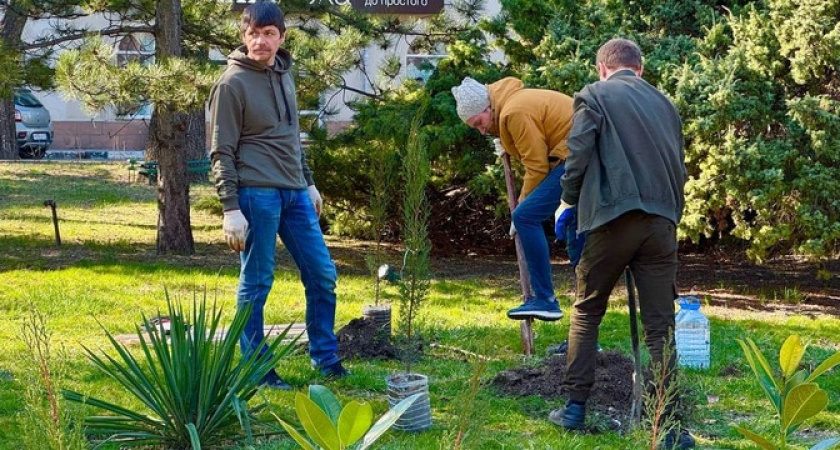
(524, 134)
(226, 111)
(304, 162)
(307, 172)
(582, 141)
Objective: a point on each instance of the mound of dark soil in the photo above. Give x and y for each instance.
(611, 393)
(361, 339)
(462, 222)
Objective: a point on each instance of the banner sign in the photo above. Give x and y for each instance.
(412, 7)
(395, 7)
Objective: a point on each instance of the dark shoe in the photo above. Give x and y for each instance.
(547, 310)
(273, 381)
(563, 348)
(677, 440)
(335, 371)
(572, 417)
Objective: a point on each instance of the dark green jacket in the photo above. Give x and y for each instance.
(625, 152)
(255, 131)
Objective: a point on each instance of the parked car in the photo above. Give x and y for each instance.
(33, 126)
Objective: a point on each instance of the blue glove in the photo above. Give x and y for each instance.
(563, 218)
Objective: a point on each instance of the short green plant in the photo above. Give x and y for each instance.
(194, 390)
(415, 279)
(661, 397)
(382, 180)
(210, 204)
(466, 406)
(331, 427)
(47, 422)
(795, 395)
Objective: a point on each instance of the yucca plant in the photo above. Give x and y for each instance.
(795, 395)
(194, 390)
(331, 427)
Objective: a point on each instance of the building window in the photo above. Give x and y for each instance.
(138, 48)
(421, 61)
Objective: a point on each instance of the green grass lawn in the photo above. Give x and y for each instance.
(105, 274)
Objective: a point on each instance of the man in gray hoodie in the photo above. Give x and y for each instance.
(266, 185)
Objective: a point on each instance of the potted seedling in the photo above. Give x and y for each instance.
(413, 286)
(381, 176)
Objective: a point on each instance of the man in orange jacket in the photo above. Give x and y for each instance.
(532, 125)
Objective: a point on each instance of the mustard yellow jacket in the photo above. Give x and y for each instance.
(533, 125)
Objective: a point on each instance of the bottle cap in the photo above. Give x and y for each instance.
(689, 302)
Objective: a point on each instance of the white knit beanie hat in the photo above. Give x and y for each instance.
(471, 98)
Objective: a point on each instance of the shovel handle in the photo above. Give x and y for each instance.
(526, 331)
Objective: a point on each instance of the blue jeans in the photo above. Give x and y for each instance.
(528, 217)
(290, 214)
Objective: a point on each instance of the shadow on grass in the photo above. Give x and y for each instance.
(40, 252)
(36, 186)
(148, 221)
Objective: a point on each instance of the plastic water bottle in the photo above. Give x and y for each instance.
(692, 334)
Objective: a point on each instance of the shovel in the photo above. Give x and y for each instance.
(636, 406)
(525, 326)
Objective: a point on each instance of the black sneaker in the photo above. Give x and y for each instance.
(273, 381)
(677, 440)
(335, 371)
(572, 417)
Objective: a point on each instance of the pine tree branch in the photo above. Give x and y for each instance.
(85, 33)
(360, 92)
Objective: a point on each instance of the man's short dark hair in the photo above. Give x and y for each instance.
(262, 14)
(620, 53)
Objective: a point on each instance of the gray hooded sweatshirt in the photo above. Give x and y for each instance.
(255, 129)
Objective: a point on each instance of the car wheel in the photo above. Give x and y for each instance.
(31, 152)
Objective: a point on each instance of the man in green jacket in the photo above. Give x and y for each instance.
(626, 173)
(266, 186)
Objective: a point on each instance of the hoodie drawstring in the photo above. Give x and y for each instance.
(285, 100)
(282, 91)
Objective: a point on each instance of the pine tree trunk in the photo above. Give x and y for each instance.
(196, 140)
(8, 142)
(196, 135)
(168, 141)
(11, 30)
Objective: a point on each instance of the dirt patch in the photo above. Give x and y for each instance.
(731, 370)
(611, 394)
(722, 278)
(361, 339)
(463, 223)
(785, 284)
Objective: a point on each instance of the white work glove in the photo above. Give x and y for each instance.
(235, 225)
(561, 209)
(512, 231)
(315, 196)
(499, 149)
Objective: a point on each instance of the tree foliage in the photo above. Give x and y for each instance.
(20, 67)
(90, 75)
(762, 115)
